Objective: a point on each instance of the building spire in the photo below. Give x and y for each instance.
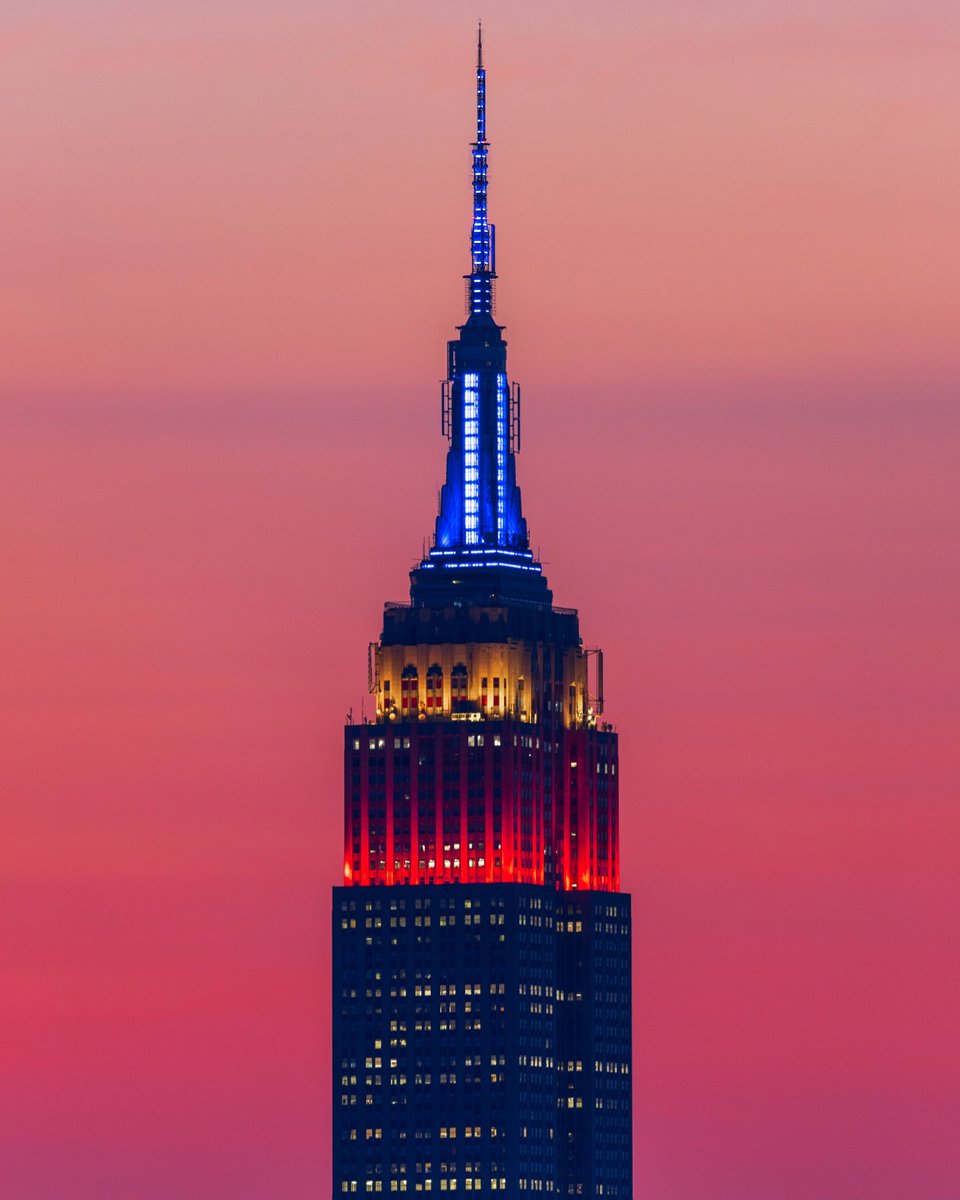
(481, 546)
(482, 248)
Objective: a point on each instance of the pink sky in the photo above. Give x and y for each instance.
(231, 241)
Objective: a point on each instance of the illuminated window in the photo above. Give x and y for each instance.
(434, 688)
(458, 684)
(409, 688)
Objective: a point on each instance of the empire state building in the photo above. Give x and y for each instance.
(481, 943)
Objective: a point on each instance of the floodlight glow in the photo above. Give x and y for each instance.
(471, 448)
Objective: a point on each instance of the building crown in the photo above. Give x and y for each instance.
(481, 550)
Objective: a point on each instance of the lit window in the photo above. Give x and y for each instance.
(409, 689)
(458, 684)
(434, 688)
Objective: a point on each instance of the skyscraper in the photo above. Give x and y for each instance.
(481, 944)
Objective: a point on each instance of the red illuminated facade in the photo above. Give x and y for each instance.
(433, 802)
(477, 776)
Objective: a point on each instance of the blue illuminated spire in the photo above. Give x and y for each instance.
(481, 547)
(482, 245)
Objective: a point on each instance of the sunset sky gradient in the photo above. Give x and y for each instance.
(231, 243)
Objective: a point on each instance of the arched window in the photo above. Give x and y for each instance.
(458, 685)
(434, 688)
(409, 687)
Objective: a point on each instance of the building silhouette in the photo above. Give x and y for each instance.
(481, 944)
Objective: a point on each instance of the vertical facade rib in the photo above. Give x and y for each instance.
(481, 943)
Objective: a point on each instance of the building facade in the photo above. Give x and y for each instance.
(481, 943)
